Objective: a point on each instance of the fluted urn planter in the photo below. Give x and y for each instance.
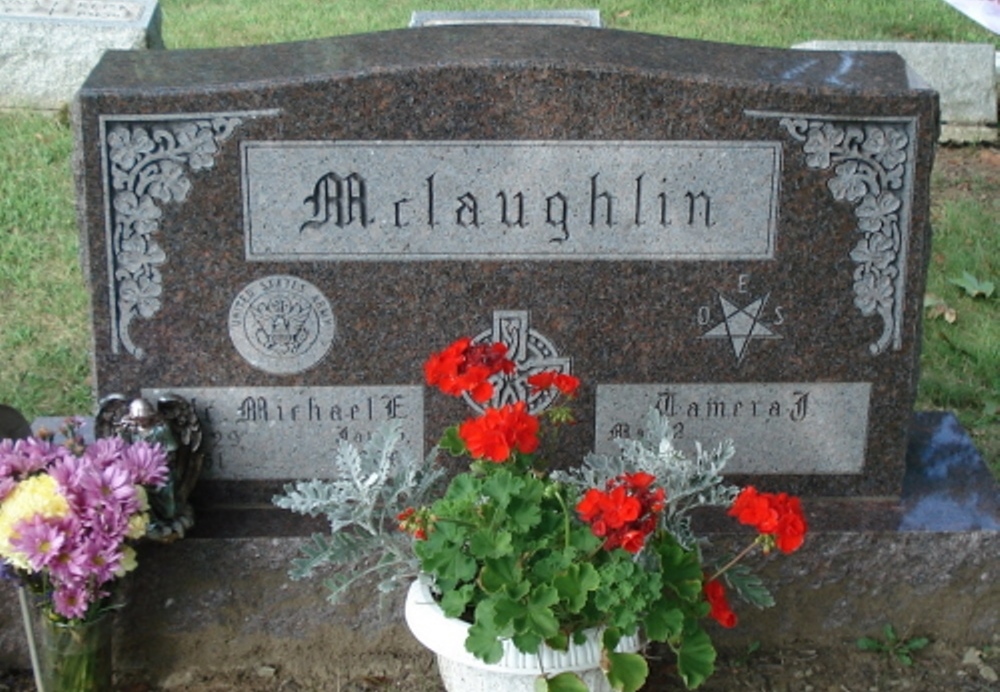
(516, 671)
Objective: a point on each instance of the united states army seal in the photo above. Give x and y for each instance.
(281, 324)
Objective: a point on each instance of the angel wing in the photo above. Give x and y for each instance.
(189, 457)
(111, 410)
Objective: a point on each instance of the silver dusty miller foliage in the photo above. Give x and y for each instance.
(689, 482)
(372, 486)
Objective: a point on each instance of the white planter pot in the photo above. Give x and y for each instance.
(516, 671)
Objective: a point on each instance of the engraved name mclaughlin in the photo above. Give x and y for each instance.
(491, 200)
(341, 202)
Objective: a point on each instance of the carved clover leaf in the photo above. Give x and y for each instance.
(872, 290)
(877, 250)
(887, 146)
(822, 143)
(138, 215)
(141, 292)
(851, 183)
(874, 211)
(171, 184)
(138, 251)
(198, 139)
(129, 146)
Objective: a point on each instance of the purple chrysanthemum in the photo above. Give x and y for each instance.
(147, 463)
(39, 539)
(70, 600)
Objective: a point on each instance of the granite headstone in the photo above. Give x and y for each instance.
(737, 236)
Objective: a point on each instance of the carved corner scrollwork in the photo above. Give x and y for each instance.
(872, 166)
(147, 166)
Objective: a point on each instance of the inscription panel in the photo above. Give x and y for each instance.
(259, 433)
(778, 428)
(510, 200)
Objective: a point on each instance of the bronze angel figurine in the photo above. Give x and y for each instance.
(174, 424)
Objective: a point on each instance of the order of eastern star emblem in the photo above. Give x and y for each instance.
(531, 353)
(741, 325)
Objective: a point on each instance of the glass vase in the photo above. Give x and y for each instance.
(75, 657)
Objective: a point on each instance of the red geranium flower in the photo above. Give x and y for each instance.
(776, 514)
(465, 368)
(715, 594)
(567, 384)
(499, 432)
(625, 514)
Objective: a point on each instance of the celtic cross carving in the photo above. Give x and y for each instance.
(872, 165)
(148, 166)
(531, 352)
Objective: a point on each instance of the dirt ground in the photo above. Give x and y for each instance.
(793, 668)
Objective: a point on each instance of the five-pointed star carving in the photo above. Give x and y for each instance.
(741, 325)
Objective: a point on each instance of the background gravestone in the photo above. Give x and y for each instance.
(48, 47)
(963, 74)
(737, 236)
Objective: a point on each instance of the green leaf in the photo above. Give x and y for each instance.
(525, 512)
(487, 543)
(917, 643)
(455, 601)
(890, 634)
(681, 570)
(441, 554)
(452, 442)
(575, 584)
(501, 487)
(508, 610)
(663, 622)
(564, 682)
(869, 644)
(543, 621)
(527, 642)
(483, 643)
(627, 671)
(499, 574)
(749, 586)
(696, 657)
(973, 287)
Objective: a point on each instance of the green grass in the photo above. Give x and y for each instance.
(44, 329)
(960, 363)
(205, 23)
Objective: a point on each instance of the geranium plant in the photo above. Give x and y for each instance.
(69, 514)
(538, 556)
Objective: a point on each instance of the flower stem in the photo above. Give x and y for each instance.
(562, 503)
(739, 556)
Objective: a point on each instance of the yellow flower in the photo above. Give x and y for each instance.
(137, 525)
(129, 561)
(36, 495)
